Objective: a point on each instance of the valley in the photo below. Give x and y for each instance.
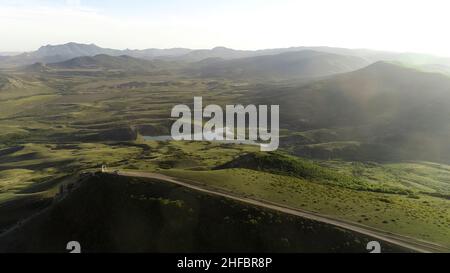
(362, 141)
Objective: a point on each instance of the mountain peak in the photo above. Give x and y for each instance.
(71, 50)
(68, 45)
(222, 48)
(383, 64)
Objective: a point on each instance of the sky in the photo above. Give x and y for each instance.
(395, 25)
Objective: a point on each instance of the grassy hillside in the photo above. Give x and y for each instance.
(394, 112)
(111, 214)
(422, 217)
(296, 167)
(380, 93)
(393, 197)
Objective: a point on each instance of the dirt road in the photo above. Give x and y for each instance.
(399, 240)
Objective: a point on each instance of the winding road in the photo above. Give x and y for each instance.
(399, 240)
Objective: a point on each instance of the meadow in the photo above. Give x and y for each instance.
(67, 123)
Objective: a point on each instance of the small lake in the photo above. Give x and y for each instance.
(221, 132)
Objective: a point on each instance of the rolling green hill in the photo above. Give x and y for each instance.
(394, 112)
(375, 94)
(115, 214)
(281, 164)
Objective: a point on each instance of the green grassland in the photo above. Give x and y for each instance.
(31, 166)
(411, 213)
(424, 177)
(58, 124)
(425, 218)
(102, 110)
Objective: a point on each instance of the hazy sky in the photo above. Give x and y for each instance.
(398, 25)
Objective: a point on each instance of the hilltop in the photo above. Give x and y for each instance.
(108, 213)
(396, 110)
(104, 61)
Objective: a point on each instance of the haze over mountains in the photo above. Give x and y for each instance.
(304, 64)
(381, 112)
(358, 103)
(103, 61)
(59, 53)
(378, 91)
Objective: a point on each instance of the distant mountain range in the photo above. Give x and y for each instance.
(288, 65)
(59, 53)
